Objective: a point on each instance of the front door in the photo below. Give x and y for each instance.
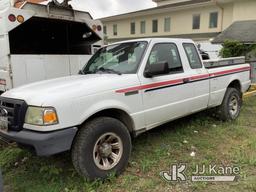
(166, 97)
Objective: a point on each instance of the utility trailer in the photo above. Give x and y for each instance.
(40, 42)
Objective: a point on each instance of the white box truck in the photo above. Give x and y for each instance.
(40, 42)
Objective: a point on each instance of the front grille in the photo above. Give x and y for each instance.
(16, 112)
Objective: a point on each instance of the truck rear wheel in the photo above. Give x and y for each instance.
(231, 105)
(102, 147)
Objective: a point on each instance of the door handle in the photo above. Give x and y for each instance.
(186, 80)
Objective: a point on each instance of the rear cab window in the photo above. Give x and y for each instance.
(192, 55)
(166, 52)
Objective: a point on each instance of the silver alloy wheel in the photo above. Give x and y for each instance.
(107, 151)
(233, 106)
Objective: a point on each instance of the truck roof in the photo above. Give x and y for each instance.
(155, 40)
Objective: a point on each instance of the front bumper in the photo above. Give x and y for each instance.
(44, 144)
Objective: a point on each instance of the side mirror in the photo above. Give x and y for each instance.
(160, 68)
(80, 72)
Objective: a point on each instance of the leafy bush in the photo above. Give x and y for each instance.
(232, 48)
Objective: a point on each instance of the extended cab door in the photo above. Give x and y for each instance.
(198, 80)
(167, 96)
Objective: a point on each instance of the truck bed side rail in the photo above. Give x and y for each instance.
(224, 62)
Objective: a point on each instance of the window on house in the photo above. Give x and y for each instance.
(133, 28)
(192, 55)
(166, 52)
(155, 26)
(143, 27)
(167, 24)
(105, 30)
(196, 21)
(115, 29)
(213, 20)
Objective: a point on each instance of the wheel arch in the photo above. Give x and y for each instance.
(235, 84)
(116, 113)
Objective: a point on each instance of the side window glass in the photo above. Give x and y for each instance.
(166, 52)
(192, 55)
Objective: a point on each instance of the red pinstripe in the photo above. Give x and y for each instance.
(230, 71)
(179, 81)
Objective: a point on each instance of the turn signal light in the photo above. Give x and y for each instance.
(50, 117)
(20, 19)
(99, 28)
(12, 18)
(94, 27)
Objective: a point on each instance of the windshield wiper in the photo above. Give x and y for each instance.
(80, 72)
(108, 71)
(87, 72)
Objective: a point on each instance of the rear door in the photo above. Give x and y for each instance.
(168, 96)
(198, 80)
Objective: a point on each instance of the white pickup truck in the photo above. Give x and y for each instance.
(125, 89)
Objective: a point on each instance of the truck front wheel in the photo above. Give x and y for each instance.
(231, 105)
(102, 147)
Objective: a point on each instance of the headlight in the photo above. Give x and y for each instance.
(41, 116)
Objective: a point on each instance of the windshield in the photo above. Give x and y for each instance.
(121, 58)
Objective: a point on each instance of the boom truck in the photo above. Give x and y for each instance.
(40, 42)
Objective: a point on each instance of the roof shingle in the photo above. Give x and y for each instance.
(242, 31)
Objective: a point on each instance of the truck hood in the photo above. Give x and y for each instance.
(69, 87)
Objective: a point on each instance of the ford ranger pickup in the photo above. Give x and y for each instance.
(125, 89)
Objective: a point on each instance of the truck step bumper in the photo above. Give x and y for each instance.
(44, 144)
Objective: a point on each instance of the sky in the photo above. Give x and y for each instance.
(104, 8)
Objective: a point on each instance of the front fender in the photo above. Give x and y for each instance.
(103, 105)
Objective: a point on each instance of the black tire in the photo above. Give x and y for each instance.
(87, 140)
(225, 111)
